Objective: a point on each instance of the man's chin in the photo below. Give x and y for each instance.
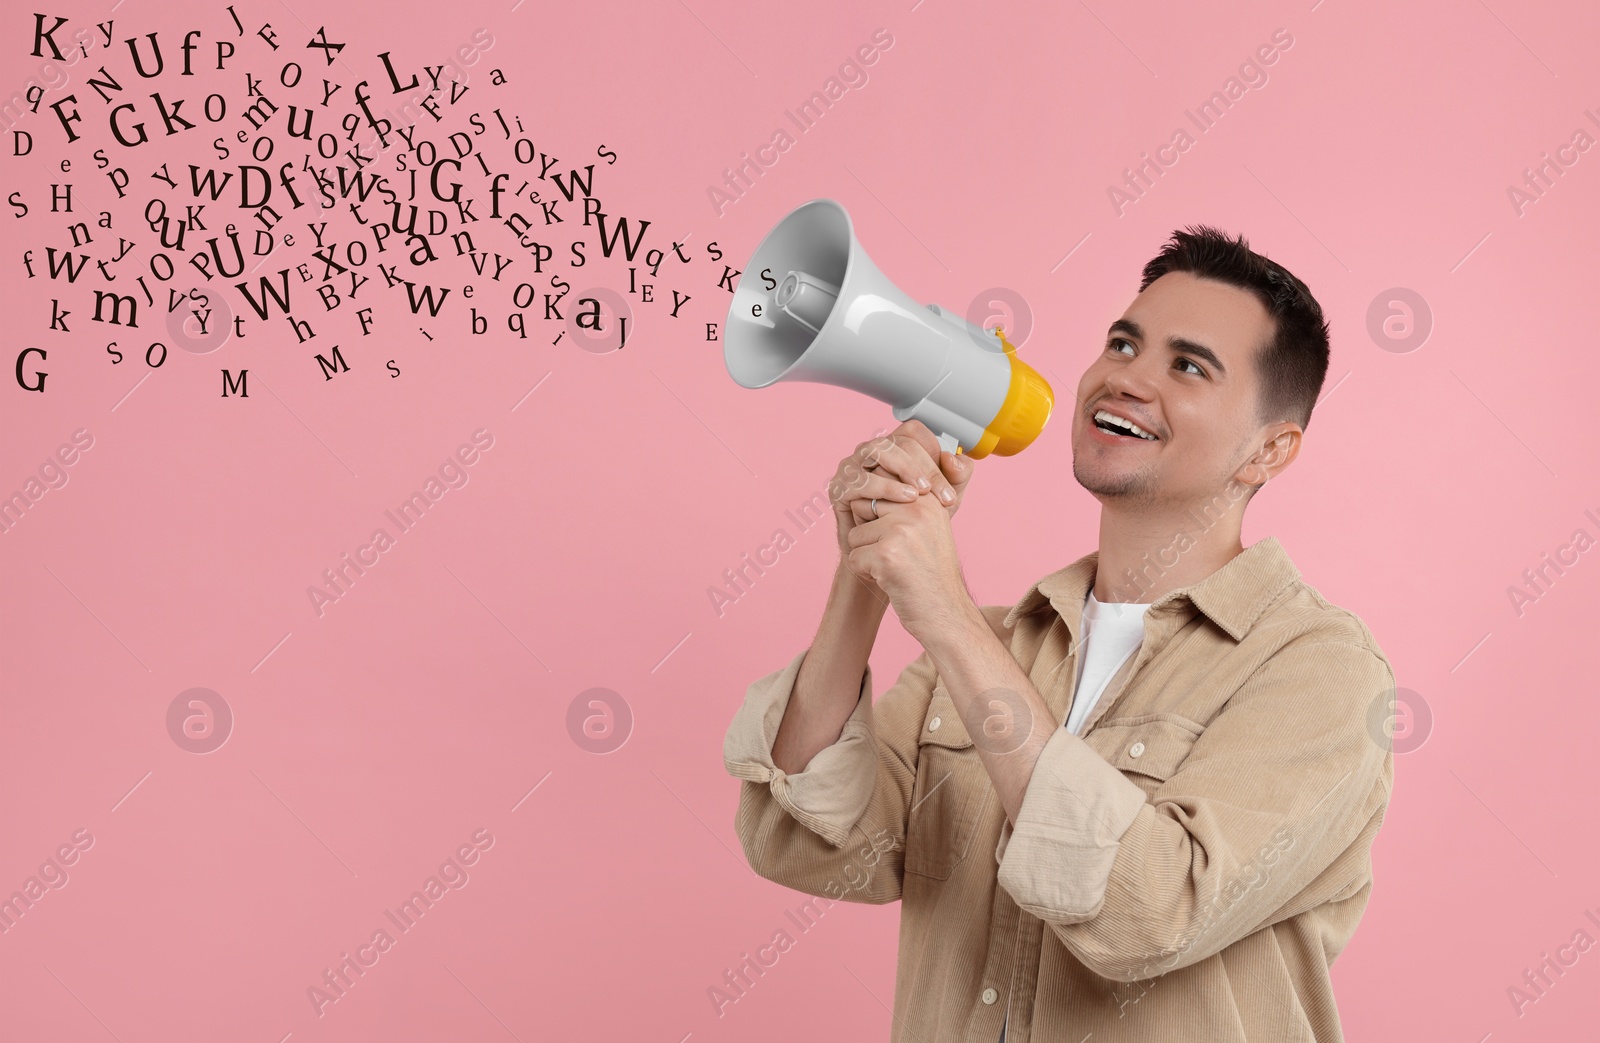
(1112, 487)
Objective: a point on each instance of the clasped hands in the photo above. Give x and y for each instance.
(906, 550)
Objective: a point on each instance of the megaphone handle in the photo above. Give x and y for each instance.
(949, 443)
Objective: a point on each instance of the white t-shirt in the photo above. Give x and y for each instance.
(1118, 631)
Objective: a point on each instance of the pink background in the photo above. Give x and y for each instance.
(369, 743)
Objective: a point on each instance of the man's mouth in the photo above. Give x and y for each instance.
(1120, 428)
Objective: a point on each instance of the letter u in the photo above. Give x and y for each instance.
(155, 45)
(166, 227)
(411, 227)
(238, 254)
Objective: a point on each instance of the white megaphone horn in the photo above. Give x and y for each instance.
(812, 306)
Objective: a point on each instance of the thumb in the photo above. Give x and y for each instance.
(958, 467)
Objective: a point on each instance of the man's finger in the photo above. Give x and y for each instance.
(922, 435)
(957, 467)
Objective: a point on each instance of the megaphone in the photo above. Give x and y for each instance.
(812, 306)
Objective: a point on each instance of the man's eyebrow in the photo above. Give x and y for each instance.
(1177, 344)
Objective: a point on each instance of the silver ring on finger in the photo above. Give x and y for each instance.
(875, 508)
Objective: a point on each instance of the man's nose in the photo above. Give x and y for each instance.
(1134, 379)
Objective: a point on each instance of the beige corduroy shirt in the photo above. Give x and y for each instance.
(1186, 870)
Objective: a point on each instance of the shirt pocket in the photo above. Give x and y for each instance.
(949, 794)
(1150, 749)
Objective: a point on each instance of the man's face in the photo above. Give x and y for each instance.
(1156, 370)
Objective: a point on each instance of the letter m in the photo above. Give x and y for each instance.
(254, 111)
(116, 308)
(330, 368)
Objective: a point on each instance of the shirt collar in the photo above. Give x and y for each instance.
(1233, 597)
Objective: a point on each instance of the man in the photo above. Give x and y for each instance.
(1140, 803)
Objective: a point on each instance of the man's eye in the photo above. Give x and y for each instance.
(1191, 362)
(1111, 344)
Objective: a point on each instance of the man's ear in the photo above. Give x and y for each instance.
(1280, 445)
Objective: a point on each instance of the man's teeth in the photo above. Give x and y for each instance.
(1103, 417)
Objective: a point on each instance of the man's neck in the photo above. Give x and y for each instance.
(1146, 552)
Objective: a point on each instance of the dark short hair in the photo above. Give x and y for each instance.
(1293, 364)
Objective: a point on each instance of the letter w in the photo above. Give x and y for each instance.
(425, 297)
(66, 262)
(266, 291)
(606, 245)
(574, 182)
(209, 182)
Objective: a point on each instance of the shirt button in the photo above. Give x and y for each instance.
(989, 995)
(1136, 749)
(933, 725)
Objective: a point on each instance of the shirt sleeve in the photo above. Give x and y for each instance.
(838, 827)
(1272, 813)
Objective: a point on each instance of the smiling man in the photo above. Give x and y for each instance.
(1138, 804)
